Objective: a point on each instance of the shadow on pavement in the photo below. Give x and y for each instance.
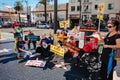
(7, 58)
(77, 73)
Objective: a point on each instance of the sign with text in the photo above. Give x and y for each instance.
(100, 11)
(64, 23)
(87, 29)
(77, 36)
(72, 48)
(56, 50)
(35, 63)
(32, 38)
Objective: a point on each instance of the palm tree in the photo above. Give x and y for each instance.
(45, 2)
(18, 7)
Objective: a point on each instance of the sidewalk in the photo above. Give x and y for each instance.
(6, 37)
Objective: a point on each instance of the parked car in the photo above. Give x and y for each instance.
(42, 25)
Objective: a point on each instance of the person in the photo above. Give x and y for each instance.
(65, 30)
(111, 41)
(44, 46)
(76, 30)
(56, 39)
(29, 41)
(21, 49)
(15, 24)
(18, 32)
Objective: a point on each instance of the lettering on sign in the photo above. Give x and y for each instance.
(35, 63)
(56, 50)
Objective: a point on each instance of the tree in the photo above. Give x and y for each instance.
(45, 2)
(18, 7)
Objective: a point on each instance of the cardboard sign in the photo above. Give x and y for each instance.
(56, 50)
(35, 63)
(72, 48)
(32, 38)
(87, 29)
(64, 23)
(78, 36)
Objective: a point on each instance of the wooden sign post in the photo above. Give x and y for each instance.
(63, 37)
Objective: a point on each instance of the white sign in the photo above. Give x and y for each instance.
(78, 37)
(35, 63)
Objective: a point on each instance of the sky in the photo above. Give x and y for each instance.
(30, 2)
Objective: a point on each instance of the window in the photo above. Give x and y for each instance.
(85, 7)
(72, 1)
(78, 8)
(72, 8)
(110, 6)
(96, 7)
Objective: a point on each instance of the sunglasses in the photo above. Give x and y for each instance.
(109, 26)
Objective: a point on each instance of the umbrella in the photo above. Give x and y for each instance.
(110, 63)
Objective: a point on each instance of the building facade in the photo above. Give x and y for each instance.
(89, 9)
(38, 13)
(111, 7)
(9, 17)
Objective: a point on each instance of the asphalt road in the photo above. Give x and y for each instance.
(15, 69)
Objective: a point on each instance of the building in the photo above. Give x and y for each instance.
(89, 9)
(74, 11)
(38, 13)
(9, 17)
(111, 8)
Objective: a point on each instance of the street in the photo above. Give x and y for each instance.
(12, 68)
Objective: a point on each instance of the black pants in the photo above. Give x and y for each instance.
(34, 44)
(45, 52)
(103, 72)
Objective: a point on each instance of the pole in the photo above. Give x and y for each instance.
(28, 16)
(99, 25)
(55, 16)
(45, 5)
(80, 13)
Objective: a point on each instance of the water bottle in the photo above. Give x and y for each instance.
(100, 48)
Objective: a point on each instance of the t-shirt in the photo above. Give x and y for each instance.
(21, 44)
(18, 33)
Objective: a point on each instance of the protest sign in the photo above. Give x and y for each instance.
(32, 38)
(56, 50)
(35, 63)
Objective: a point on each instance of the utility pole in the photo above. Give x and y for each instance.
(55, 16)
(28, 15)
(80, 21)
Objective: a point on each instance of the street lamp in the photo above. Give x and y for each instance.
(55, 16)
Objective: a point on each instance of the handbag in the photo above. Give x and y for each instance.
(117, 54)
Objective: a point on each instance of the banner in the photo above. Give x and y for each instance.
(100, 11)
(65, 23)
(32, 38)
(56, 50)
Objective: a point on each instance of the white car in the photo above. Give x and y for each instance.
(43, 25)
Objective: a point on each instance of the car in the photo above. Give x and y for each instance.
(42, 25)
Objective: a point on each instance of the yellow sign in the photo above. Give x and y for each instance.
(100, 11)
(64, 23)
(56, 50)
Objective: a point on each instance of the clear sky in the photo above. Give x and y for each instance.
(31, 2)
